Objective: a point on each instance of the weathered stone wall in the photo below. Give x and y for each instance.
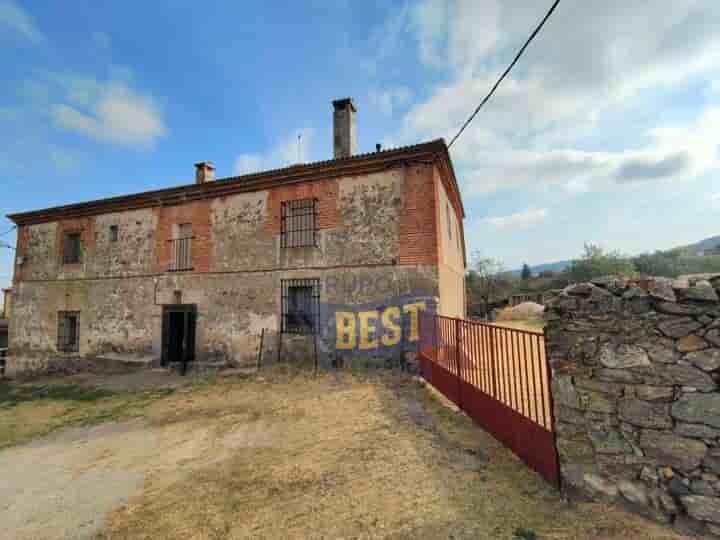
(122, 317)
(376, 260)
(636, 367)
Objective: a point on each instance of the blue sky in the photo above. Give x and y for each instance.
(607, 131)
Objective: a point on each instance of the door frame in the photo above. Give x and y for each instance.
(189, 333)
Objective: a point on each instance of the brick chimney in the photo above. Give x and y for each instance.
(204, 172)
(344, 142)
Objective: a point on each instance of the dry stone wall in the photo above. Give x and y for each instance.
(636, 367)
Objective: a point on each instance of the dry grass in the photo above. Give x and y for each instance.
(352, 456)
(341, 455)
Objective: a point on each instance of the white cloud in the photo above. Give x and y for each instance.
(17, 20)
(575, 72)
(287, 152)
(518, 220)
(113, 112)
(388, 100)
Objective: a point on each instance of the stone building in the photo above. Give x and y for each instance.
(338, 256)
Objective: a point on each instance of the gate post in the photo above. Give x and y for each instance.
(458, 333)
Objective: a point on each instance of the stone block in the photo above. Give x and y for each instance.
(622, 356)
(701, 291)
(611, 389)
(702, 508)
(663, 290)
(691, 343)
(713, 336)
(654, 393)
(698, 409)
(707, 360)
(696, 431)
(679, 327)
(669, 449)
(645, 414)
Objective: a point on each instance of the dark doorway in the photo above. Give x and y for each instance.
(178, 335)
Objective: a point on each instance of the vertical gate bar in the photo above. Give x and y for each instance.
(458, 337)
(536, 416)
(511, 368)
(519, 376)
(551, 427)
(511, 348)
(507, 366)
(516, 366)
(527, 376)
(526, 380)
(536, 379)
(488, 373)
(492, 360)
(543, 377)
(502, 372)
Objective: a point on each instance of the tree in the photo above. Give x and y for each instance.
(525, 273)
(487, 282)
(596, 262)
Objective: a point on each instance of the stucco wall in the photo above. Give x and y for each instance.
(636, 368)
(451, 264)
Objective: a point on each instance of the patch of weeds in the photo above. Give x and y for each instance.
(524, 534)
(12, 395)
(28, 411)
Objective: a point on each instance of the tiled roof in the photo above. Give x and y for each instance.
(332, 168)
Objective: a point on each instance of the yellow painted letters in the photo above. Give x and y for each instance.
(366, 328)
(413, 310)
(345, 330)
(389, 321)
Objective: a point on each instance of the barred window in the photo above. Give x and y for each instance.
(71, 248)
(68, 339)
(299, 223)
(114, 233)
(300, 306)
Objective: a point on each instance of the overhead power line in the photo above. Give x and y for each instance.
(11, 229)
(517, 57)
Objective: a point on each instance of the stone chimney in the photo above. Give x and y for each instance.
(344, 142)
(204, 172)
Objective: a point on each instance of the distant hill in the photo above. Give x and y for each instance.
(557, 266)
(703, 245)
(707, 244)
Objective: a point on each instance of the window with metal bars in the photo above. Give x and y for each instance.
(68, 338)
(71, 248)
(300, 306)
(299, 223)
(114, 233)
(181, 248)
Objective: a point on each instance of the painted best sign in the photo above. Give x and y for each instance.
(373, 328)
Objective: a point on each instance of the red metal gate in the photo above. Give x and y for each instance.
(500, 378)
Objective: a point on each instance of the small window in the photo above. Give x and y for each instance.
(300, 306)
(68, 331)
(71, 248)
(113, 233)
(298, 227)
